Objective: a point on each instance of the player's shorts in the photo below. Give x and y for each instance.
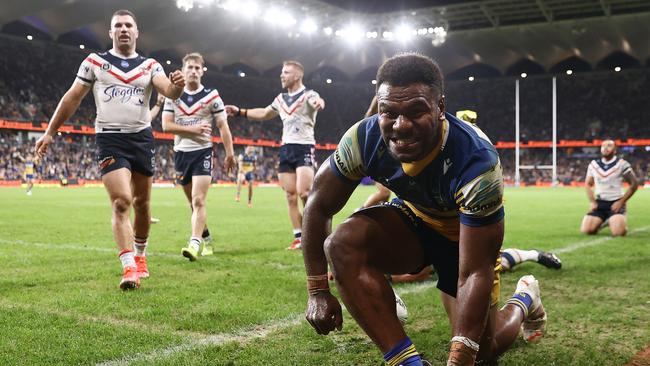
(134, 151)
(29, 176)
(440, 252)
(293, 156)
(249, 176)
(604, 210)
(191, 163)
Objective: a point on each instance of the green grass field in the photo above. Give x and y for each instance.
(60, 303)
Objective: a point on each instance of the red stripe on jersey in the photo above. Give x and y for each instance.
(126, 81)
(298, 104)
(201, 105)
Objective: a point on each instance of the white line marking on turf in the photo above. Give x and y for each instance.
(243, 336)
(594, 242)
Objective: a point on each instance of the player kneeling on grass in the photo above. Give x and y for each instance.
(190, 119)
(448, 213)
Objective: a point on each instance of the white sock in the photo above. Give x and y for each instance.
(127, 259)
(523, 255)
(140, 246)
(195, 243)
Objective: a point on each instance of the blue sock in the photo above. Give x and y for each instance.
(403, 354)
(523, 301)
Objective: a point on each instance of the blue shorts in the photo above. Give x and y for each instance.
(29, 176)
(293, 156)
(191, 163)
(134, 151)
(604, 210)
(249, 176)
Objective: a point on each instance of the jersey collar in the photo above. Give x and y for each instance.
(133, 55)
(190, 92)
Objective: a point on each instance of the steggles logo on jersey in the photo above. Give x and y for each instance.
(123, 92)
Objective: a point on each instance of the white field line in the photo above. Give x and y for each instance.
(590, 243)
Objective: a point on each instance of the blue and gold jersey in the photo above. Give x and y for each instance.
(460, 181)
(29, 167)
(247, 162)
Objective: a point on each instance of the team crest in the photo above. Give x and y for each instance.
(190, 99)
(124, 63)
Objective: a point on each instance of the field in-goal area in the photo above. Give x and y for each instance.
(60, 303)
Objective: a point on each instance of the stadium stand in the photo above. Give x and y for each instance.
(29, 91)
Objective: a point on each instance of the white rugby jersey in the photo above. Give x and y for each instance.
(122, 88)
(297, 115)
(608, 177)
(195, 107)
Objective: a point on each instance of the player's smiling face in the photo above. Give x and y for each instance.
(409, 117)
(193, 71)
(123, 31)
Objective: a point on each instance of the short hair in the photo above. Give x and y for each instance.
(295, 64)
(124, 12)
(409, 68)
(195, 56)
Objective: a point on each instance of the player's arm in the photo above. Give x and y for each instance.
(157, 107)
(317, 102)
(589, 188)
(171, 87)
(631, 179)
(328, 196)
(226, 137)
(478, 251)
(64, 110)
(255, 114)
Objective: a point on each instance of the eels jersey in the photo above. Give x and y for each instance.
(608, 178)
(460, 181)
(29, 167)
(297, 115)
(122, 89)
(247, 162)
(200, 106)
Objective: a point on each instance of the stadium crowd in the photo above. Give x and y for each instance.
(29, 91)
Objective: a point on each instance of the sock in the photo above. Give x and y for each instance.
(297, 233)
(140, 245)
(206, 233)
(516, 256)
(126, 257)
(403, 354)
(521, 300)
(195, 243)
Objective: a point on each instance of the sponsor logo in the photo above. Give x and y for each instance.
(123, 93)
(86, 69)
(105, 162)
(206, 164)
(190, 99)
(483, 207)
(124, 63)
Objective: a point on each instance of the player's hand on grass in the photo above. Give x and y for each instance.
(232, 110)
(177, 78)
(42, 143)
(229, 163)
(324, 313)
(201, 129)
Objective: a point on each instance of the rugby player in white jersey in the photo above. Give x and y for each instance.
(190, 119)
(605, 177)
(122, 82)
(297, 109)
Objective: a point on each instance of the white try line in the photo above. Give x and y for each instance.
(594, 242)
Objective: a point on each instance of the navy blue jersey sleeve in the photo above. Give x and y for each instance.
(479, 193)
(347, 160)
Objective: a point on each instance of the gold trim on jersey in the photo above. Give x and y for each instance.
(445, 223)
(416, 167)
